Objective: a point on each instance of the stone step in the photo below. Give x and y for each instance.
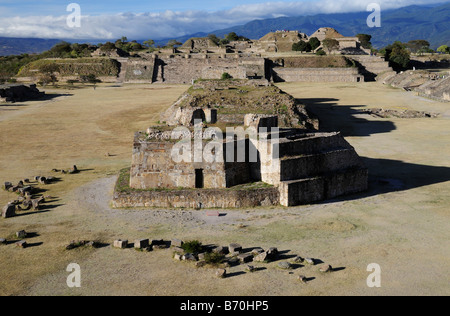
(304, 166)
(310, 190)
(315, 143)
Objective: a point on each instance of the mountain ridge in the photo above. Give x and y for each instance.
(429, 22)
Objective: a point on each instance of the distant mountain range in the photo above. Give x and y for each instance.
(429, 22)
(18, 46)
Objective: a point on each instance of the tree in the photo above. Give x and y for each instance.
(365, 40)
(232, 37)
(418, 46)
(172, 43)
(314, 43)
(48, 73)
(330, 44)
(398, 55)
(301, 46)
(149, 43)
(444, 49)
(214, 38)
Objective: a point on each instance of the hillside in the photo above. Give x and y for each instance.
(409, 23)
(18, 46)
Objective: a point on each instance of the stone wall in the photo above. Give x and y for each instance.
(206, 198)
(186, 68)
(316, 75)
(153, 167)
(139, 71)
(320, 188)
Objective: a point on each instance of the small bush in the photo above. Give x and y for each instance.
(193, 246)
(321, 53)
(214, 258)
(226, 76)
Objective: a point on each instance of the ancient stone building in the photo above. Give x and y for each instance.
(263, 162)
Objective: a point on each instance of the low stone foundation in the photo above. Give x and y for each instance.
(316, 75)
(198, 198)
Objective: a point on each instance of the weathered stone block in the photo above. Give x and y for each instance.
(235, 248)
(141, 244)
(9, 211)
(122, 244)
(21, 234)
(221, 273)
(245, 257)
(176, 243)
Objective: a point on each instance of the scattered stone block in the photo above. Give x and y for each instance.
(178, 250)
(221, 250)
(177, 256)
(257, 251)
(21, 234)
(221, 273)
(284, 265)
(273, 252)
(73, 170)
(189, 257)
(122, 244)
(302, 279)
(35, 204)
(326, 268)
(21, 244)
(157, 242)
(141, 244)
(159, 247)
(233, 261)
(3, 241)
(26, 205)
(262, 257)
(298, 259)
(233, 248)
(176, 243)
(7, 185)
(245, 257)
(309, 261)
(42, 180)
(200, 264)
(250, 268)
(9, 211)
(201, 256)
(212, 213)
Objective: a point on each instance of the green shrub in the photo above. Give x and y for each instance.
(214, 258)
(193, 246)
(226, 76)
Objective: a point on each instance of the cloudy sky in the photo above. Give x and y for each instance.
(156, 19)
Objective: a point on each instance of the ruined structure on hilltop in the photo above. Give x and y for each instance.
(272, 155)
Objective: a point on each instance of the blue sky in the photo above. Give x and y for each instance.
(141, 19)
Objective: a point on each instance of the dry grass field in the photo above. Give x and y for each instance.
(401, 223)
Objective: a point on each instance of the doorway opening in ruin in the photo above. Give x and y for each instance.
(199, 180)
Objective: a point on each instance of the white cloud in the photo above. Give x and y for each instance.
(172, 23)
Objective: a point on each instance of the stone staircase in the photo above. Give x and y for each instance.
(123, 70)
(319, 167)
(371, 66)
